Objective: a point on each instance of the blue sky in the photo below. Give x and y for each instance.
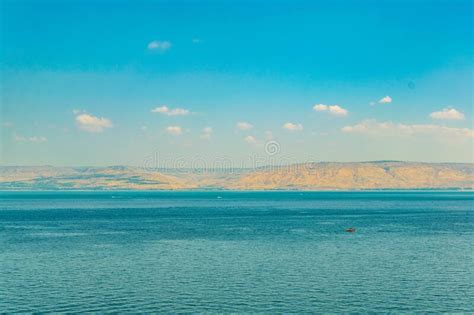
(107, 83)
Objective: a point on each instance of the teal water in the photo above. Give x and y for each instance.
(236, 252)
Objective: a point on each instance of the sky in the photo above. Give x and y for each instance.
(189, 83)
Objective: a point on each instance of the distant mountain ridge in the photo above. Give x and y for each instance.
(306, 176)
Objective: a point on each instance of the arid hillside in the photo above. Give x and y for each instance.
(370, 175)
(311, 176)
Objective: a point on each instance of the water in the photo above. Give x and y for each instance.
(236, 252)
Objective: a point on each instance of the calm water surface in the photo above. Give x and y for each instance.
(236, 252)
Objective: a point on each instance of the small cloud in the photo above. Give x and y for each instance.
(337, 110)
(160, 46)
(161, 110)
(170, 112)
(332, 109)
(244, 126)
(385, 100)
(448, 114)
(320, 107)
(293, 127)
(7, 124)
(35, 139)
(196, 40)
(178, 111)
(92, 123)
(143, 128)
(174, 130)
(250, 140)
(206, 133)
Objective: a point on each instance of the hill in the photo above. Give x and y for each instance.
(309, 176)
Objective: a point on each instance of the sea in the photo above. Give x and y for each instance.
(237, 252)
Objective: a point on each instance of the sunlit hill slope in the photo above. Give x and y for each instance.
(309, 176)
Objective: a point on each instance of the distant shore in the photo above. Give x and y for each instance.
(357, 176)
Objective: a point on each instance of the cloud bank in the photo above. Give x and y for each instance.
(374, 128)
(448, 114)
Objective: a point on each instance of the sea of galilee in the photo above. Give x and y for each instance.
(236, 252)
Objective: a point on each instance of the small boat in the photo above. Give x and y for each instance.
(351, 230)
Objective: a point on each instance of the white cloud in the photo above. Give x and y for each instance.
(244, 126)
(332, 109)
(320, 107)
(374, 128)
(293, 127)
(170, 112)
(206, 133)
(174, 130)
(196, 40)
(7, 124)
(337, 110)
(385, 100)
(92, 123)
(162, 110)
(36, 139)
(178, 111)
(144, 128)
(448, 114)
(250, 139)
(157, 45)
